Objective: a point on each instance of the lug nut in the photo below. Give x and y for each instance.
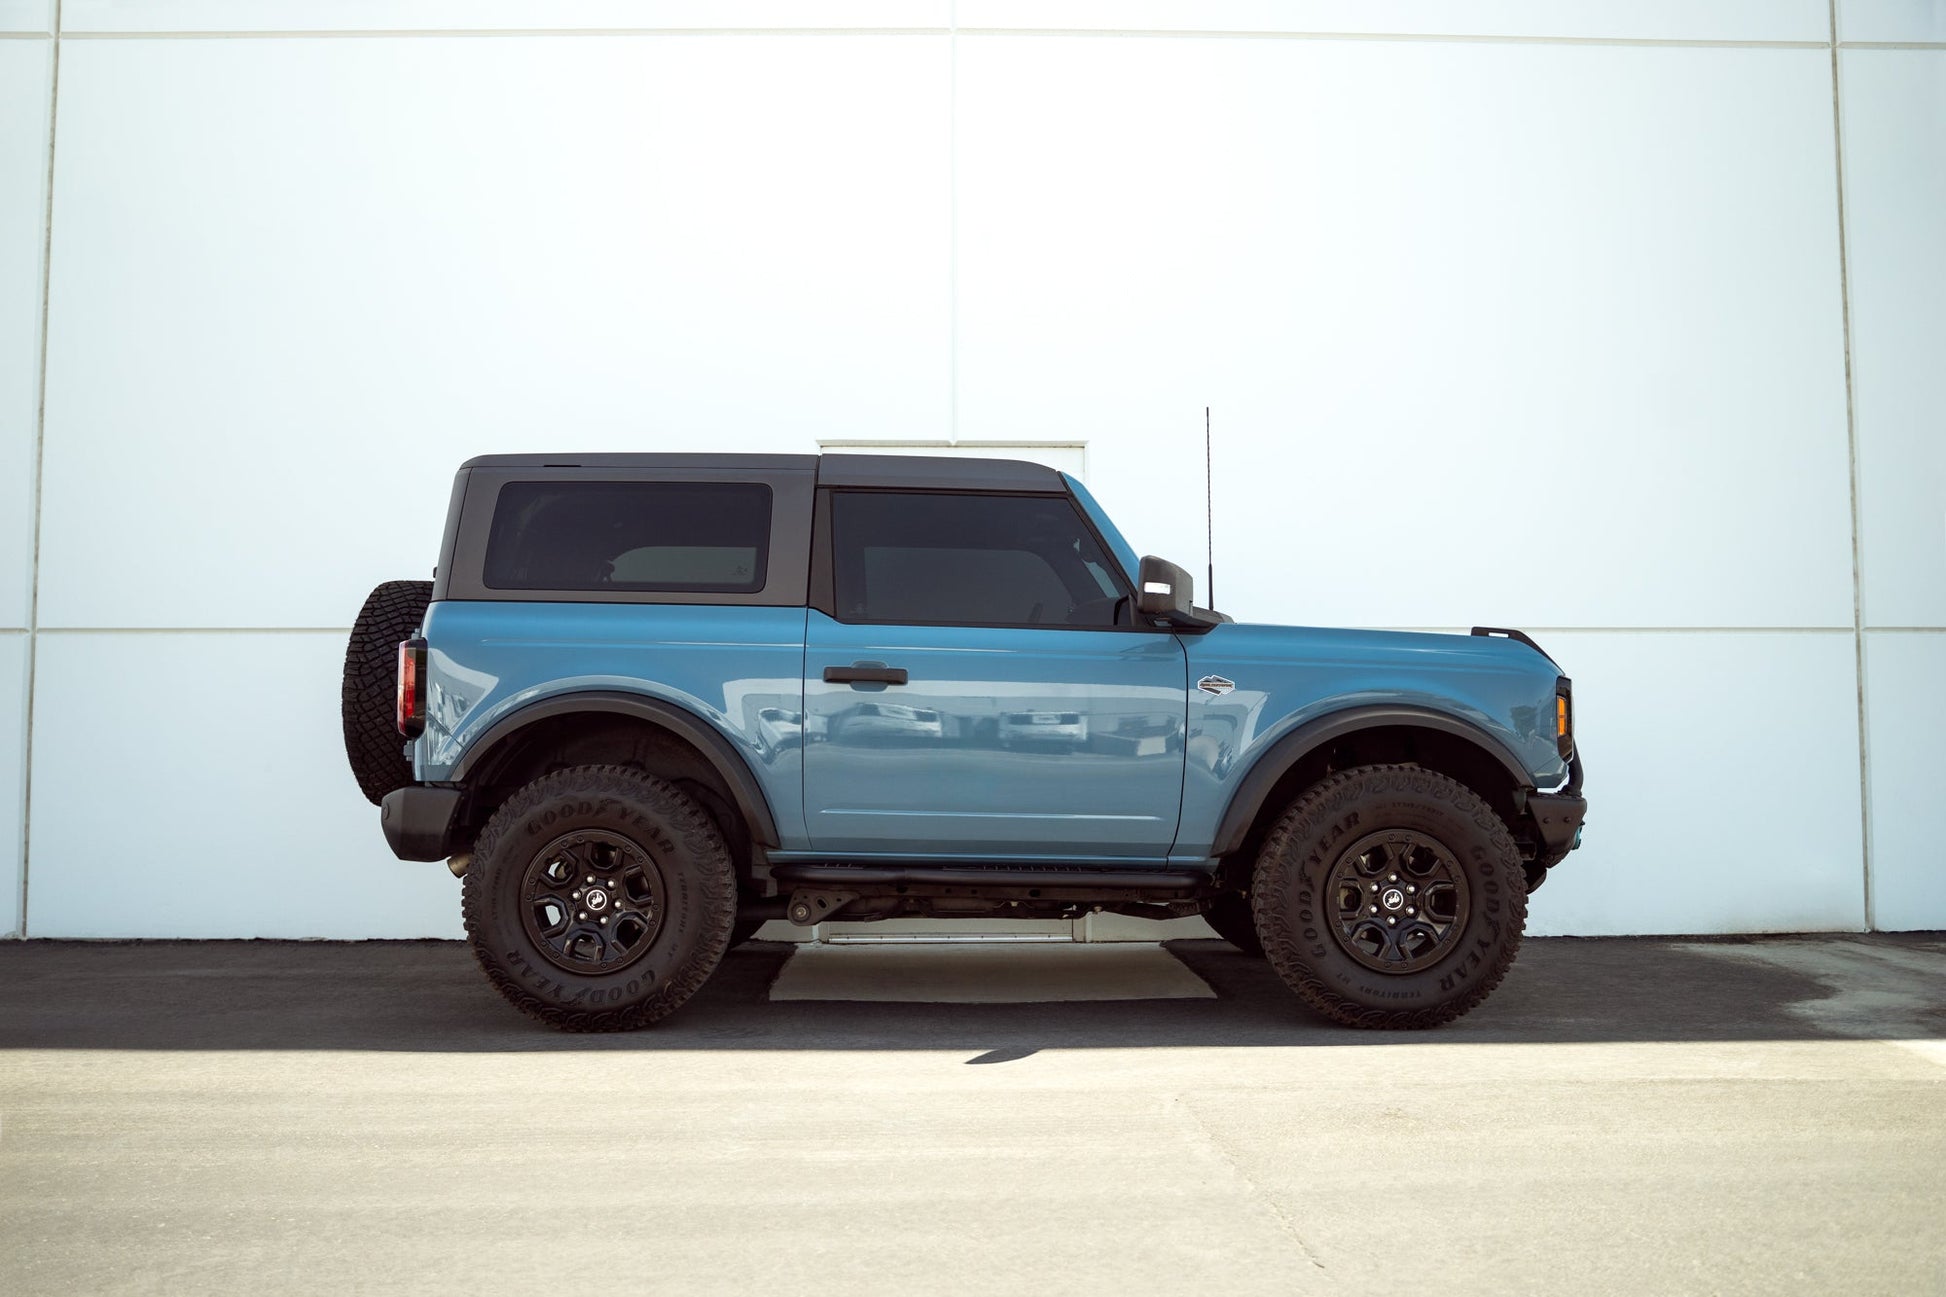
(1390, 919)
(1408, 909)
(1393, 879)
(591, 878)
(1375, 909)
(584, 914)
(1410, 889)
(603, 922)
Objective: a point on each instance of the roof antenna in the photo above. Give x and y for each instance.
(1209, 514)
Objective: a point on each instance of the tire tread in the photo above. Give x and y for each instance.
(1333, 795)
(715, 876)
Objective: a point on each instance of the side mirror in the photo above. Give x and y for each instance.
(1166, 590)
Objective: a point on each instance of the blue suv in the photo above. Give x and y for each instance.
(651, 701)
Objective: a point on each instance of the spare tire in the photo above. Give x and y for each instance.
(392, 612)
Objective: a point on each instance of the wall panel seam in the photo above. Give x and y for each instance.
(1456, 38)
(40, 457)
(1851, 463)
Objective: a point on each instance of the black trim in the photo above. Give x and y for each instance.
(936, 473)
(864, 675)
(823, 590)
(1557, 818)
(1248, 800)
(1042, 882)
(701, 735)
(1520, 636)
(418, 821)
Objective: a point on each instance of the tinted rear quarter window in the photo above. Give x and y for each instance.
(676, 537)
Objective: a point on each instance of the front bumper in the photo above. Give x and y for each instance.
(1558, 817)
(418, 821)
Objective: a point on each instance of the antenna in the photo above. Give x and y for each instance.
(1209, 513)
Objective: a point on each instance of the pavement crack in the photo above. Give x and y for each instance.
(1216, 1145)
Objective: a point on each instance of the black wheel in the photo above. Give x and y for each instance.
(1390, 896)
(742, 930)
(600, 898)
(1229, 914)
(368, 698)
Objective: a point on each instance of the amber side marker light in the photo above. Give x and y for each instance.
(411, 708)
(1564, 716)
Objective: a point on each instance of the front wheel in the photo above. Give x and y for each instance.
(600, 898)
(1390, 896)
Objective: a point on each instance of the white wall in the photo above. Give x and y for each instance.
(1509, 312)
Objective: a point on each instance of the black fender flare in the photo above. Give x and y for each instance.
(1248, 799)
(683, 723)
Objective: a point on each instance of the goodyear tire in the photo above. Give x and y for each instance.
(368, 697)
(599, 898)
(1230, 916)
(1390, 896)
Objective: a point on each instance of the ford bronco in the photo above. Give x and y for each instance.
(650, 701)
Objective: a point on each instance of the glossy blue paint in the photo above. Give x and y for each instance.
(738, 668)
(1033, 742)
(1287, 676)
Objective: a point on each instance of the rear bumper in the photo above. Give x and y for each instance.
(418, 821)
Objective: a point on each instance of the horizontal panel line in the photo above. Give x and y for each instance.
(1421, 37)
(383, 33)
(194, 630)
(1430, 630)
(1892, 45)
(1060, 32)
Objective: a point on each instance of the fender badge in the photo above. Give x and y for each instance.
(1215, 685)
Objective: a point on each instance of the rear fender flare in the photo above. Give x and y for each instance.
(684, 724)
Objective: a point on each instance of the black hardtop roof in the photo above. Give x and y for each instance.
(916, 472)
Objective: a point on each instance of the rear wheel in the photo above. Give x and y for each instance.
(368, 697)
(600, 898)
(1390, 896)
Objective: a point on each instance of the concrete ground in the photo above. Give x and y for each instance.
(1622, 1116)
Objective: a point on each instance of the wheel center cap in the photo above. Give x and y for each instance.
(1392, 898)
(596, 899)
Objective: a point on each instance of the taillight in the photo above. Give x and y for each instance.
(412, 688)
(1564, 717)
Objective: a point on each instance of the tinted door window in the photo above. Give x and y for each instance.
(969, 560)
(703, 537)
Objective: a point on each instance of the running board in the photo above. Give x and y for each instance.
(1063, 882)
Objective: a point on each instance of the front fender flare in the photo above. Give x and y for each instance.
(1247, 802)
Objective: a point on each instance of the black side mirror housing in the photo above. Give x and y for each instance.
(1168, 592)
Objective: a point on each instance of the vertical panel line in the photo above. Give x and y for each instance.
(40, 440)
(1851, 460)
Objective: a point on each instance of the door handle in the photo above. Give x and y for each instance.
(861, 675)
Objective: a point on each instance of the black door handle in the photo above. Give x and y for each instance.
(864, 675)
